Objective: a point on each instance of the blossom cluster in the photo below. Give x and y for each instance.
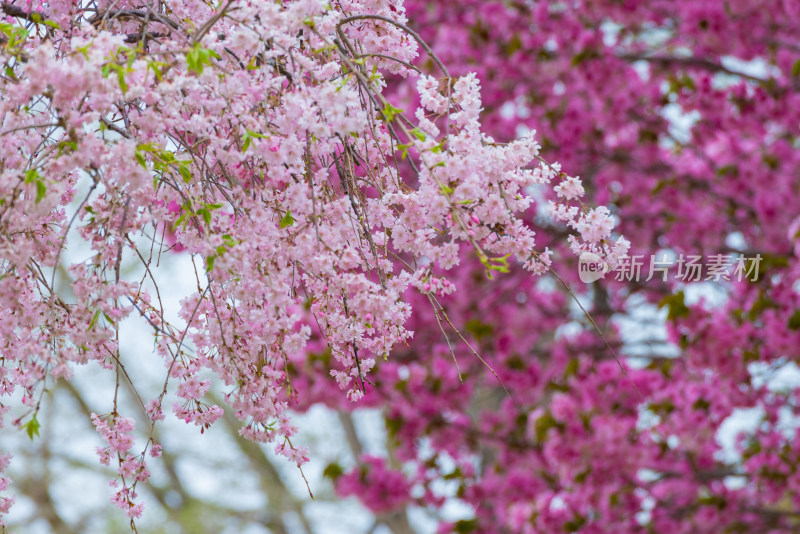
(116, 432)
(257, 140)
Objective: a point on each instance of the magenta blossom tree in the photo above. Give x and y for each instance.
(681, 117)
(257, 139)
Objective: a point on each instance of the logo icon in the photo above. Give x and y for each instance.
(591, 267)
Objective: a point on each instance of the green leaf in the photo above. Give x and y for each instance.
(191, 62)
(465, 526)
(580, 478)
(513, 45)
(716, 501)
(121, 79)
(140, 159)
(575, 524)
(84, 50)
(182, 220)
(248, 137)
(499, 264)
(584, 55)
(287, 220)
(762, 303)
(796, 68)
(772, 262)
(543, 425)
(403, 150)
(571, 368)
(676, 305)
(333, 471)
(147, 147)
(205, 214)
(41, 190)
(416, 132)
(390, 112)
(67, 146)
(393, 425)
(15, 34)
(156, 67)
(749, 356)
(726, 170)
(185, 173)
(32, 427)
(32, 176)
(478, 328)
(95, 317)
(106, 71)
(794, 320)
(198, 56)
(664, 407)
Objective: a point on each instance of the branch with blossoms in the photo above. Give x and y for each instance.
(257, 141)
